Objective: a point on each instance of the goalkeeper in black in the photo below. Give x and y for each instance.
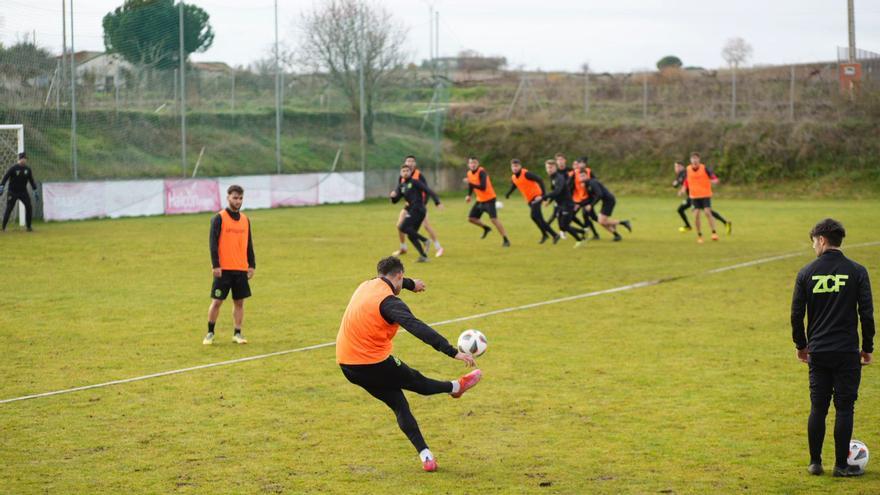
(19, 176)
(835, 293)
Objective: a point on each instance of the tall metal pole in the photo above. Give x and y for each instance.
(733, 95)
(73, 99)
(791, 96)
(851, 18)
(586, 89)
(277, 98)
(436, 35)
(362, 50)
(182, 96)
(63, 40)
(431, 39)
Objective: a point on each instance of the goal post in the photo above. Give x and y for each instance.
(11, 144)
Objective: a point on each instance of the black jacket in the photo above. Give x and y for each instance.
(835, 293)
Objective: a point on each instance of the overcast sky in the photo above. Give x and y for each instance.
(618, 35)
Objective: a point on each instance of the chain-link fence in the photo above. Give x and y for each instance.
(140, 101)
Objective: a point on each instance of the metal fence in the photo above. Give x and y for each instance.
(97, 113)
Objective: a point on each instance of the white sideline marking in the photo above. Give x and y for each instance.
(637, 285)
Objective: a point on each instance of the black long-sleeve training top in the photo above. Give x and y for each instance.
(532, 177)
(835, 293)
(597, 191)
(394, 310)
(411, 190)
(18, 177)
(214, 239)
(560, 189)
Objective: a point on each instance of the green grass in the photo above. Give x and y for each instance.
(689, 386)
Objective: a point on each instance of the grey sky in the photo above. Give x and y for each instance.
(617, 35)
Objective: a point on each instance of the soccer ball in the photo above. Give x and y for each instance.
(499, 205)
(472, 342)
(858, 454)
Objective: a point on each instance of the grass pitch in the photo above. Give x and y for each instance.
(689, 386)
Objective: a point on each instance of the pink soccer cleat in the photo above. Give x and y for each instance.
(430, 465)
(467, 382)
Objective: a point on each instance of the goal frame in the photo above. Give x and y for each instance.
(20, 145)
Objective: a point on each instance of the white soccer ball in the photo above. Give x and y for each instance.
(858, 454)
(499, 205)
(472, 342)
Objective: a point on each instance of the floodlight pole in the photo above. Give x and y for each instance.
(73, 99)
(277, 98)
(851, 18)
(182, 96)
(362, 46)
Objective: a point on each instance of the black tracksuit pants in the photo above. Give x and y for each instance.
(411, 225)
(386, 381)
(565, 216)
(11, 198)
(837, 375)
(538, 218)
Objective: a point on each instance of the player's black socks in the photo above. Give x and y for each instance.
(719, 217)
(211, 326)
(486, 231)
(237, 331)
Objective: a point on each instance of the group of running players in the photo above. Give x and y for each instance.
(695, 183)
(574, 191)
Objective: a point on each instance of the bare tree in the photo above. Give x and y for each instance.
(340, 36)
(735, 52)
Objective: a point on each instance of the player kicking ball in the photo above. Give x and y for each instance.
(363, 350)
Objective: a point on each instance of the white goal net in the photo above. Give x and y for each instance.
(11, 144)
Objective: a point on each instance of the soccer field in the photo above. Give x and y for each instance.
(689, 385)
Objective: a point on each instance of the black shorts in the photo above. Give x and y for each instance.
(484, 207)
(414, 218)
(608, 206)
(235, 280)
(700, 203)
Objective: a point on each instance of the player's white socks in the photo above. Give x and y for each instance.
(403, 246)
(455, 386)
(437, 244)
(425, 454)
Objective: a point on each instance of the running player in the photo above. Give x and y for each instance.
(680, 179)
(581, 197)
(560, 192)
(478, 180)
(410, 161)
(363, 350)
(698, 186)
(414, 192)
(598, 192)
(233, 261)
(532, 188)
(19, 176)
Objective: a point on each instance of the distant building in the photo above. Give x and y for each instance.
(105, 71)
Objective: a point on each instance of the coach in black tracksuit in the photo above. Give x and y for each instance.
(835, 293)
(19, 176)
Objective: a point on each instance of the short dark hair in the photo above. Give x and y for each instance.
(830, 229)
(583, 159)
(550, 162)
(695, 153)
(389, 266)
(473, 158)
(235, 188)
(407, 157)
(559, 155)
(516, 161)
(679, 162)
(22, 155)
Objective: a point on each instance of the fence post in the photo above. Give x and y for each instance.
(791, 96)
